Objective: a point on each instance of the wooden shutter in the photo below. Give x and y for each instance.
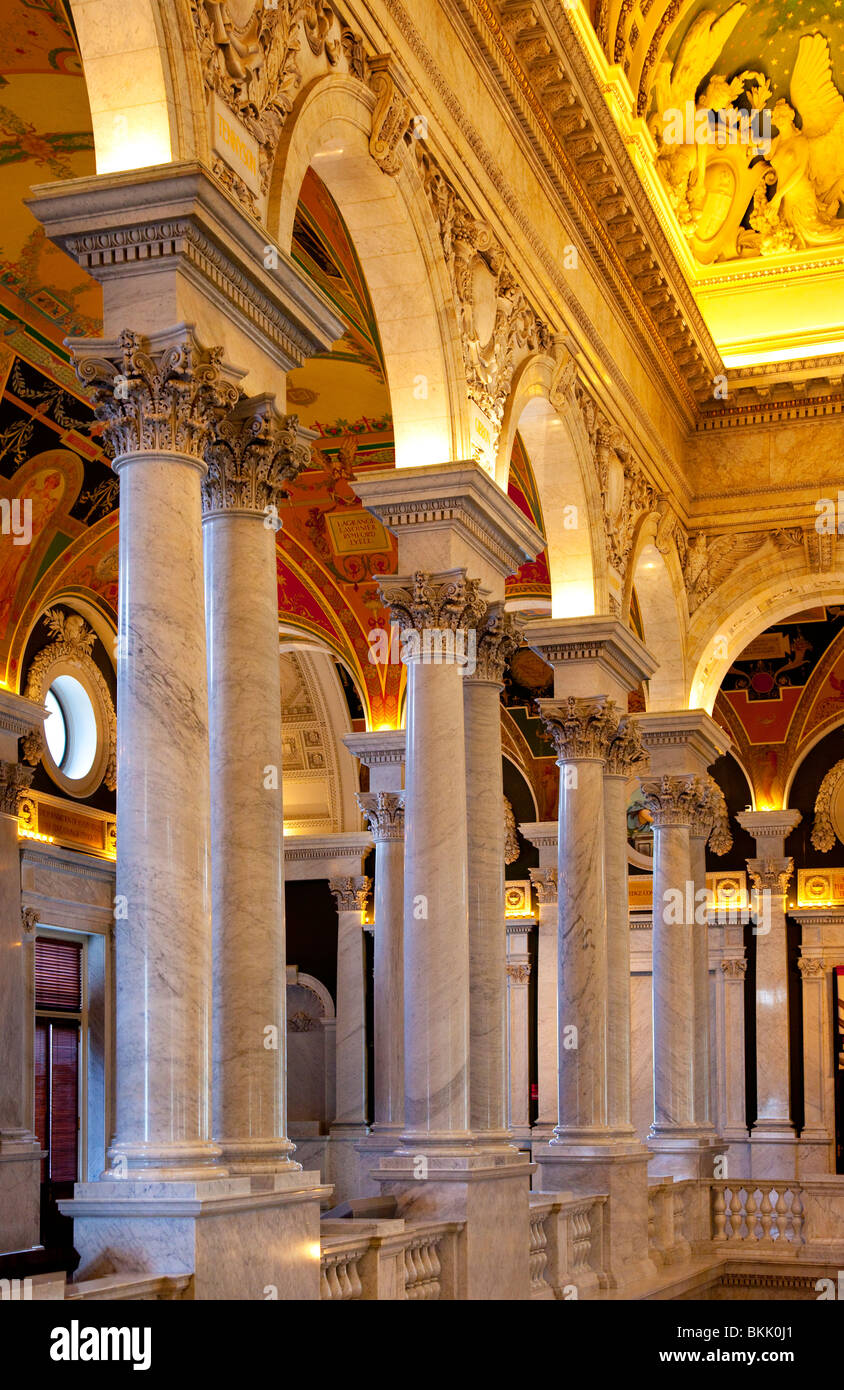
(64, 1102)
(58, 975)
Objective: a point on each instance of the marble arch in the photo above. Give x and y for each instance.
(563, 468)
(396, 240)
(658, 582)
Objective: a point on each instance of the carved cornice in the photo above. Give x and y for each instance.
(627, 755)
(771, 875)
(351, 893)
(674, 800)
(580, 728)
(162, 399)
(384, 812)
(254, 453)
(15, 779)
(545, 883)
(444, 602)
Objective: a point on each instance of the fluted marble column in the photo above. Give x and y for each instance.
(673, 802)
(384, 812)
(158, 400)
(20, 1151)
(253, 454)
(626, 758)
(773, 1139)
(544, 880)
(496, 641)
(351, 895)
(582, 730)
(436, 947)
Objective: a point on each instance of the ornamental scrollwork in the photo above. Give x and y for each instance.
(823, 831)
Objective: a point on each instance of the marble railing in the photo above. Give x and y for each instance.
(566, 1245)
(672, 1224)
(389, 1260)
(761, 1213)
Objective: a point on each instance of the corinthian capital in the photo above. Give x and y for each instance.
(545, 883)
(771, 875)
(580, 728)
(627, 755)
(384, 813)
(497, 640)
(14, 780)
(350, 893)
(674, 800)
(155, 396)
(253, 454)
(446, 601)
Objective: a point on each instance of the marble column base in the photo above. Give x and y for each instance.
(20, 1192)
(685, 1154)
(489, 1190)
(241, 1238)
(773, 1152)
(543, 1131)
(245, 1156)
(620, 1171)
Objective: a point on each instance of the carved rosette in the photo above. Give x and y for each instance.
(734, 968)
(254, 453)
(425, 601)
(166, 400)
(518, 974)
(545, 883)
(14, 781)
(675, 800)
(497, 640)
(627, 755)
(580, 728)
(351, 893)
(771, 875)
(384, 813)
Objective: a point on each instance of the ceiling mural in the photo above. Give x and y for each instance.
(783, 692)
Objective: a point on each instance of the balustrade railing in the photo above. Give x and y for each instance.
(762, 1213)
(566, 1245)
(389, 1260)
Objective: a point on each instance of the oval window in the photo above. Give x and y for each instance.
(71, 730)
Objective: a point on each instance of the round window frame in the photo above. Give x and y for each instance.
(77, 667)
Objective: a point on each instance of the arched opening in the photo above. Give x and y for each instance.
(658, 590)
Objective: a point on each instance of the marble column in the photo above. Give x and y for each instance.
(255, 452)
(384, 812)
(822, 948)
(20, 1151)
(773, 1137)
(158, 400)
(543, 834)
(518, 1028)
(626, 758)
(350, 895)
(496, 641)
(709, 825)
(730, 1049)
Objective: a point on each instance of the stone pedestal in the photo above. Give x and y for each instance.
(20, 1151)
(773, 1138)
(242, 1238)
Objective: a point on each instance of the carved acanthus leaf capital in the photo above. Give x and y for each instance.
(446, 601)
(15, 779)
(497, 640)
(711, 821)
(771, 875)
(580, 728)
(674, 800)
(29, 920)
(384, 813)
(162, 400)
(351, 893)
(519, 974)
(811, 967)
(734, 968)
(253, 454)
(545, 883)
(627, 755)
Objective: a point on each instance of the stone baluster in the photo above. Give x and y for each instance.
(496, 640)
(254, 453)
(159, 400)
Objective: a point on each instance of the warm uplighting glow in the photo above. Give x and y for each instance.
(327, 154)
(24, 833)
(384, 729)
(786, 354)
(572, 599)
(134, 139)
(314, 1250)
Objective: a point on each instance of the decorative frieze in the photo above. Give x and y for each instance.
(446, 601)
(580, 728)
(14, 781)
(254, 453)
(384, 812)
(351, 893)
(162, 399)
(675, 800)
